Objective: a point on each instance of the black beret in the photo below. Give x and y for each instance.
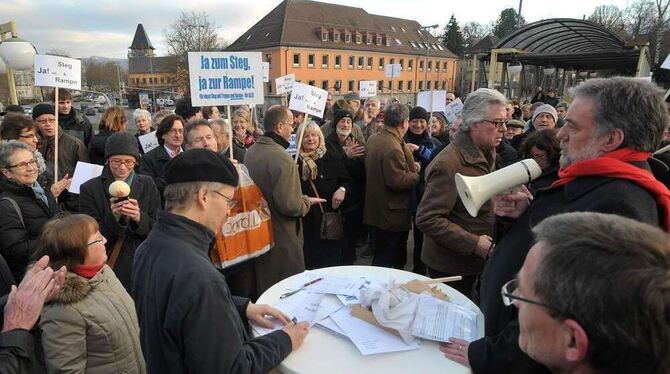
(201, 165)
(419, 112)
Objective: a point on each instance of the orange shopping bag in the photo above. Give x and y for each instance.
(247, 233)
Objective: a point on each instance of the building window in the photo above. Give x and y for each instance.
(347, 37)
(392, 61)
(428, 85)
(421, 65)
(311, 83)
(324, 36)
(437, 66)
(402, 64)
(351, 86)
(269, 87)
(381, 63)
(338, 61)
(144, 80)
(324, 85)
(296, 59)
(368, 39)
(400, 86)
(409, 86)
(338, 85)
(336, 36)
(420, 85)
(388, 41)
(430, 65)
(162, 80)
(410, 65)
(379, 40)
(310, 60)
(380, 86)
(369, 65)
(444, 85)
(359, 38)
(268, 59)
(391, 86)
(361, 61)
(324, 61)
(445, 66)
(351, 62)
(437, 85)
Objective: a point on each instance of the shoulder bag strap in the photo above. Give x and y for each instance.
(16, 208)
(316, 193)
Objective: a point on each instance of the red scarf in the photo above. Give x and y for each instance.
(615, 164)
(87, 271)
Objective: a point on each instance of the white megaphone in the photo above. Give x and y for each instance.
(475, 191)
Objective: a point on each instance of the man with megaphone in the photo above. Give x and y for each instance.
(456, 243)
(611, 128)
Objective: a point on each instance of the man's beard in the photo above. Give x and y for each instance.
(588, 152)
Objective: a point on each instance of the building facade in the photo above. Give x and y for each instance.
(334, 47)
(145, 70)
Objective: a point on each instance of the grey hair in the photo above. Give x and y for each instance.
(193, 125)
(312, 126)
(138, 113)
(225, 127)
(9, 148)
(632, 105)
(476, 106)
(372, 98)
(179, 196)
(395, 114)
(612, 275)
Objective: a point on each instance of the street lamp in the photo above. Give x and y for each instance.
(425, 76)
(16, 54)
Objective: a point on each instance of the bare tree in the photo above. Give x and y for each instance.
(661, 22)
(640, 18)
(610, 17)
(192, 32)
(474, 32)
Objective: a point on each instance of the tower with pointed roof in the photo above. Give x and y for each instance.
(141, 45)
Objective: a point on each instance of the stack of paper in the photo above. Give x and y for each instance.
(441, 320)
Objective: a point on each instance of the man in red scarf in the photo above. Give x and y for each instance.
(611, 127)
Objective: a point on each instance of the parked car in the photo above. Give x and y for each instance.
(101, 109)
(90, 111)
(83, 106)
(27, 109)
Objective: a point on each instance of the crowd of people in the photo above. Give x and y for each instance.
(102, 284)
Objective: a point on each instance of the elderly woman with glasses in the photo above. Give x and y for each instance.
(92, 326)
(125, 222)
(25, 206)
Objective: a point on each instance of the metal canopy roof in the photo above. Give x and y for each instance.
(570, 44)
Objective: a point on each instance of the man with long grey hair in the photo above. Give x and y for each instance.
(610, 130)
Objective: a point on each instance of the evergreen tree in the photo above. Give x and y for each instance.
(452, 37)
(507, 23)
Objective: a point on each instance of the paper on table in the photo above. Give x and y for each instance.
(441, 320)
(367, 338)
(356, 298)
(83, 172)
(329, 305)
(330, 284)
(330, 325)
(302, 306)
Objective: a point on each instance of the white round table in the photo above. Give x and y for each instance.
(324, 352)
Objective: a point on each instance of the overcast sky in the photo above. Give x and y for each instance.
(106, 28)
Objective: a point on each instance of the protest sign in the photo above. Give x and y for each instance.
(284, 84)
(225, 78)
(308, 99)
(144, 100)
(666, 63)
(148, 141)
(56, 71)
(83, 172)
(453, 110)
(292, 145)
(432, 101)
(367, 89)
(266, 72)
(392, 70)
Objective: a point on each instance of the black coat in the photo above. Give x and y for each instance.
(356, 170)
(498, 351)
(96, 148)
(153, 164)
(17, 242)
(94, 201)
(190, 322)
(139, 144)
(506, 155)
(238, 153)
(77, 125)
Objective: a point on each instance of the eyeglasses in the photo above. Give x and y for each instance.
(24, 164)
(231, 202)
(176, 131)
(100, 239)
(497, 124)
(508, 297)
(127, 163)
(44, 121)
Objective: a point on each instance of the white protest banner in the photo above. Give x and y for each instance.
(56, 71)
(148, 141)
(308, 99)
(225, 78)
(83, 172)
(285, 84)
(666, 63)
(367, 89)
(392, 70)
(432, 101)
(453, 110)
(266, 72)
(293, 145)
(144, 100)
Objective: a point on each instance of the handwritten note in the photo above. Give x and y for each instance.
(148, 141)
(56, 71)
(308, 99)
(453, 110)
(284, 84)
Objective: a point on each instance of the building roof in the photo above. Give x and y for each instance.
(569, 43)
(300, 23)
(484, 45)
(146, 65)
(141, 39)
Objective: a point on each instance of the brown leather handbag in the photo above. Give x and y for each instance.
(332, 226)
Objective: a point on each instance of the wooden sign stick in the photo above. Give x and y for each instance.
(56, 136)
(300, 135)
(230, 132)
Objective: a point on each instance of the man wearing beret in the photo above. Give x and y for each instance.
(276, 175)
(189, 321)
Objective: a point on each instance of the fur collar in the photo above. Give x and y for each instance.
(76, 288)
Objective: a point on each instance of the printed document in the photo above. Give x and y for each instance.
(440, 320)
(302, 306)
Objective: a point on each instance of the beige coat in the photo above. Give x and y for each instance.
(450, 233)
(92, 327)
(390, 180)
(276, 175)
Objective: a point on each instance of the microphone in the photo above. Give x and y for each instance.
(120, 190)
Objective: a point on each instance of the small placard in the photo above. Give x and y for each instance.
(56, 71)
(285, 84)
(453, 110)
(83, 172)
(266, 72)
(367, 89)
(308, 99)
(148, 141)
(432, 101)
(393, 70)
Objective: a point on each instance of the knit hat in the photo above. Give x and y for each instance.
(201, 165)
(546, 108)
(515, 123)
(440, 117)
(339, 114)
(44, 108)
(121, 143)
(418, 112)
(13, 108)
(351, 96)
